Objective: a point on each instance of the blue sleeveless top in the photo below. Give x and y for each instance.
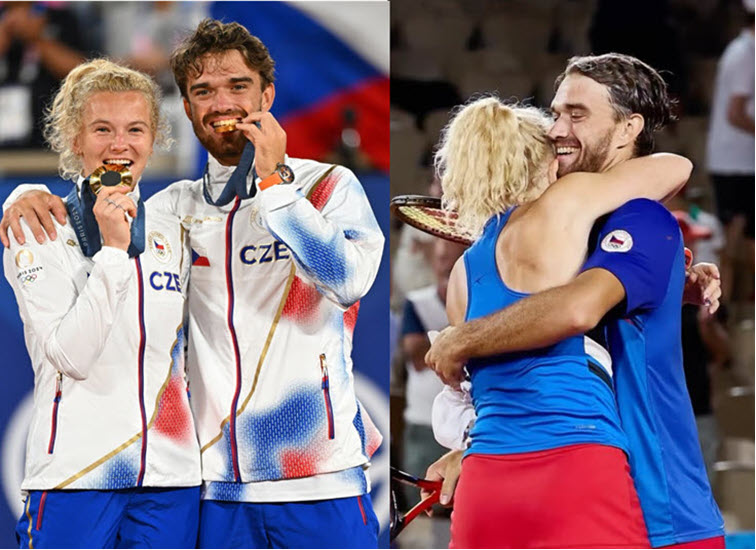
(539, 399)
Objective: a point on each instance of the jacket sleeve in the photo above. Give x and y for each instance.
(339, 246)
(70, 327)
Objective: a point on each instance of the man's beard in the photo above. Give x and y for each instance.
(227, 148)
(593, 159)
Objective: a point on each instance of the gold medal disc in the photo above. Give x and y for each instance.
(110, 175)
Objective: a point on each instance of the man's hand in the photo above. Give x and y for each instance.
(35, 207)
(445, 358)
(269, 141)
(703, 286)
(445, 469)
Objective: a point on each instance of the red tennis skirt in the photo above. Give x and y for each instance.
(578, 496)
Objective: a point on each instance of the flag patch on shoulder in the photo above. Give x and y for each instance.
(617, 241)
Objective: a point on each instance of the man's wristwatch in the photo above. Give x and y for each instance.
(283, 174)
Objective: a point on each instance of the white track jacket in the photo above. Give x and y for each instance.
(273, 298)
(106, 341)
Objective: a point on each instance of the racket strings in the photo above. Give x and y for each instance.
(436, 221)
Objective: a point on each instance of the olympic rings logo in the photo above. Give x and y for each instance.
(29, 278)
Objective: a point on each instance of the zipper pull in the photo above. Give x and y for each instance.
(58, 386)
(324, 370)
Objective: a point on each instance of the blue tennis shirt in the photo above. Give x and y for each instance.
(640, 243)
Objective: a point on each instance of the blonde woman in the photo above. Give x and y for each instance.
(112, 457)
(547, 465)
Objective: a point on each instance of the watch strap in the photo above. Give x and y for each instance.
(283, 174)
(274, 179)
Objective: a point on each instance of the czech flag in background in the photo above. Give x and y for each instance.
(332, 58)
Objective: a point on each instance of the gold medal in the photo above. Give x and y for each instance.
(110, 175)
(224, 126)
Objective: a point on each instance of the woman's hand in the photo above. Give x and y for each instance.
(111, 209)
(703, 286)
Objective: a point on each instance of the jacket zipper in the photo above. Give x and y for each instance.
(140, 371)
(56, 404)
(234, 341)
(325, 385)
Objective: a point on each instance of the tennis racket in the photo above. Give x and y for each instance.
(426, 214)
(398, 520)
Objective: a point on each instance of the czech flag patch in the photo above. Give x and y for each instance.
(198, 260)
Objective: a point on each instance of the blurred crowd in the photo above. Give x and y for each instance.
(40, 42)
(446, 51)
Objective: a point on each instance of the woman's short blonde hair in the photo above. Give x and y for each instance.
(64, 118)
(492, 156)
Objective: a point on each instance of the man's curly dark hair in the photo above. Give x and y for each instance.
(634, 87)
(213, 37)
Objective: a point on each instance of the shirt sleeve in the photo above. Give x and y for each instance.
(70, 327)
(638, 244)
(338, 248)
(742, 73)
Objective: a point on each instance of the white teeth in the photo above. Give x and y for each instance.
(566, 150)
(125, 162)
